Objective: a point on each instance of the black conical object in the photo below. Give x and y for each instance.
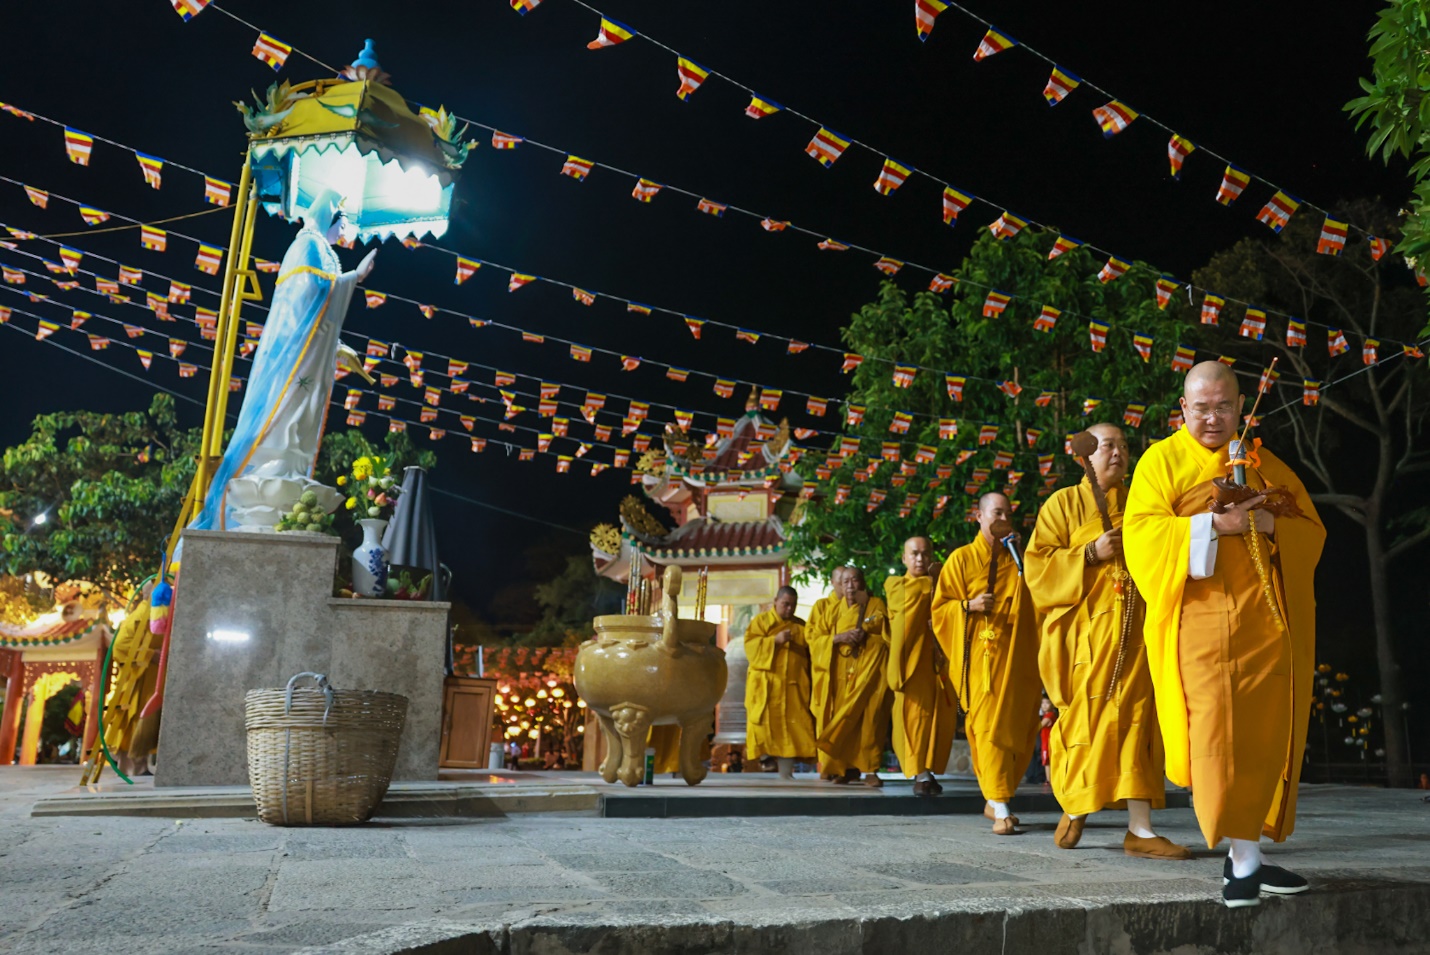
(411, 537)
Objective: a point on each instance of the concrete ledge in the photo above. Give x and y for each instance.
(1348, 917)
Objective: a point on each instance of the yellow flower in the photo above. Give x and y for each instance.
(362, 469)
(342, 480)
(352, 503)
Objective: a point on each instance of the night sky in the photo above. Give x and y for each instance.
(1261, 83)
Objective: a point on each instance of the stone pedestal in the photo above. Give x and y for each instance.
(254, 609)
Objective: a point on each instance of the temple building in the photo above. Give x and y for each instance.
(729, 503)
(40, 659)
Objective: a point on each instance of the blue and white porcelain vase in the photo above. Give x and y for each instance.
(370, 560)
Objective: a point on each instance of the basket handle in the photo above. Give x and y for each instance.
(322, 682)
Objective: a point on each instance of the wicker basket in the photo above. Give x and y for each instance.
(319, 756)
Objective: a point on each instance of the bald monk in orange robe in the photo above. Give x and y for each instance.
(821, 627)
(924, 714)
(853, 708)
(997, 677)
(1106, 749)
(778, 720)
(1230, 650)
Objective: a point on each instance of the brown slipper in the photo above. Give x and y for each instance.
(1069, 831)
(1157, 847)
(1005, 827)
(990, 816)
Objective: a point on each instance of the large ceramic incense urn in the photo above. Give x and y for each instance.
(644, 670)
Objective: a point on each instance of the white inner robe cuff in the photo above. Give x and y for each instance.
(1201, 562)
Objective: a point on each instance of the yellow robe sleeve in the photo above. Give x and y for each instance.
(1056, 579)
(949, 617)
(759, 640)
(904, 595)
(818, 634)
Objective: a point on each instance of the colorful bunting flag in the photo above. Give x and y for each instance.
(71, 258)
(1114, 117)
(1253, 325)
(1006, 226)
(760, 108)
(1211, 309)
(829, 245)
(947, 429)
(677, 374)
(576, 167)
(1114, 269)
(853, 416)
(1336, 342)
(146, 358)
(92, 216)
(176, 347)
(466, 268)
(691, 75)
(1368, 351)
(941, 283)
(987, 434)
(816, 406)
(851, 362)
(1278, 211)
(770, 399)
(1002, 460)
(38, 197)
(611, 34)
(901, 422)
(155, 240)
(891, 177)
(1268, 378)
(1232, 182)
(1310, 391)
(272, 51)
(954, 384)
(904, 375)
(1046, 319)
(888, 266)
(954, 202)
(517, 280)
(1295, 334)
(188, 9)
(746, 335)
(795, 347)
(708, 207)
(1178, 149)
(1378, 247)
(583, 296)
(1165, 287)
(1062, 244)
(208, 259)
(1060, 84)
(724, 387)
(580, 353)
(1089, 405)
(1010, 388)
(78, 318)
(96, 342)
(524, 7)
(1143, 344)
(1174, 419)
(1182, 359)
(44, 330)
(1132, 417)
(179, 292)
(645, 190)
(630, 363)
(1097, 334)
(993, 43)
(826, 147)
(995, 303)
(217, 192)
(1333, 237)
(506, 140)
(925, 12)
(374, 299)
(78, 146)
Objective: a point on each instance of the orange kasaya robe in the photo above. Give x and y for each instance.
(1231, 686)
(924, 712)
(851, 702)
(994, 661)
(1105, 746)
(778, 720)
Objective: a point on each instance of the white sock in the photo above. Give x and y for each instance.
(1245, 857)
(1000, 809)
(1074, 817)
(786, 766)
(1139, 818)
(925, 776)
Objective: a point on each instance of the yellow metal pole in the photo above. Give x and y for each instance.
(240, 282)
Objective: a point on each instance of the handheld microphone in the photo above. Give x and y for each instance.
(1012, 546)
(1234, 454)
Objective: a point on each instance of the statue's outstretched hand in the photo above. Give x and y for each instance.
(364, 268)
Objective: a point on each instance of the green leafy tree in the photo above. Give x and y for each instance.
(1058, 364)
(1363, 448)
(1396, 106)
(94, 496)
(341, 448)
(568, 602)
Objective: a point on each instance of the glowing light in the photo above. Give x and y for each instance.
(529, 701)
(533, 734)
(558, 693)
(581, 728)
(228, 636)
(581, 703)
(41, 518)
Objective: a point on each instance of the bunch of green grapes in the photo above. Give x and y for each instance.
(307, 516)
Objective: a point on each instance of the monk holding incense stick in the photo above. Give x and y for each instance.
(1231, 624)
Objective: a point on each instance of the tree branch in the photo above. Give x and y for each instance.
(1409, 542)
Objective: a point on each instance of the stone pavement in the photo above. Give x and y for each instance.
(558, 883)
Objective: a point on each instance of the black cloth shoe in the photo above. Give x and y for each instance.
(1273, 879)
(1241, 893)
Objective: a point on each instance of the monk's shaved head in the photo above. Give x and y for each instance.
(1211, 404)
(1112, 457)
(1106, 429)
(992, 499)
(1209, 372)
(993, 508)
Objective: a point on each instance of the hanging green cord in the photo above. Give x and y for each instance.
(104, 678)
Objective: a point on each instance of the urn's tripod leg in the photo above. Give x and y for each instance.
(694, 728)
(614, 748)
(632, 723)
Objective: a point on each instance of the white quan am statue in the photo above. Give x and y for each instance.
(268, 464)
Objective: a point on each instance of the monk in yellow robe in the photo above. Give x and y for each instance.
(779, 722)
(1106, 748)
(821, 627)
(1231, 629)
(924, 712)
(990, 636)
(852, 707)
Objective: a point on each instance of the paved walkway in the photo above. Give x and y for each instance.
(550, 883)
